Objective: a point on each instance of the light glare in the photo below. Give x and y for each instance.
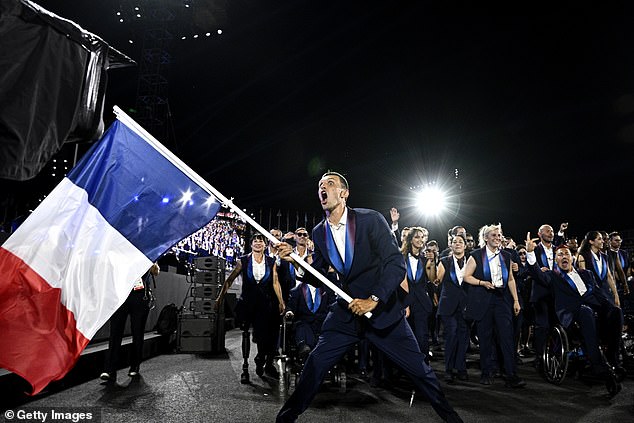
(431, 201)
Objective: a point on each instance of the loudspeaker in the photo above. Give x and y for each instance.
(210, 276)
(196, 334)
(202, 306)
(210, 263)
(205, 291)
(190, 326)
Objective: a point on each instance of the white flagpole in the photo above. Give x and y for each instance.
(130, 123)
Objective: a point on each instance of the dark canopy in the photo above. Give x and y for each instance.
(52, 86)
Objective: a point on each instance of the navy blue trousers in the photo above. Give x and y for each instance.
(456, 342)
(397, 342)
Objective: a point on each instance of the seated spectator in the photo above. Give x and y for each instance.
(307, 306)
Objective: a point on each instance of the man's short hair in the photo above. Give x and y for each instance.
(342, 178)
(614, 234)
(562, 247)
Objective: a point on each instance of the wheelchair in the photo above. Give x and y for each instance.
(291, 364)
(627, 342)
(564, 354)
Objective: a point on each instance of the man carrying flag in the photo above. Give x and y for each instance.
(358, 249)
(74, 261)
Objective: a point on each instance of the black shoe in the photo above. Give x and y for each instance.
(134, 371)
(450, 378)
(363, 374)
(271, 371)
(515, 382)
(463, 376)
(108, 377)
(486, 380)
(453, 418)
(244, 378)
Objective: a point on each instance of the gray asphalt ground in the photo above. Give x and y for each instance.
(206, 388)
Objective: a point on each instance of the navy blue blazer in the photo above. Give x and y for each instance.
(567, 298)
(540, 292)
(479, 297)
(377, 268)
(452, 295)
(418, 297)
(298, 305)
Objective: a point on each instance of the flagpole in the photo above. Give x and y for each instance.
(129, 122)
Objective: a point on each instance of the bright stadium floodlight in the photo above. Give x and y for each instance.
(431, 201)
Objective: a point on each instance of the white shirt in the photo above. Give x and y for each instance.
(549, 255)
(576, 278)
(299, 271)
(313, 291)
(496, 267)
(599, 261)
(459, 271)
(413, 264)
(339, 234)
(259, 269)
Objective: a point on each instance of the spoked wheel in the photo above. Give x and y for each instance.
(555, 355)
(342, 382)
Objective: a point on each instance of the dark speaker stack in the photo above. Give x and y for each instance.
(200, 327)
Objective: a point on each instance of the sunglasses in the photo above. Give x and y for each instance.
(302, 234)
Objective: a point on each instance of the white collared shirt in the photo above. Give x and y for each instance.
(549, 255)
(597, 258)
(413, 264)
(495, 266)
(576, 278)
(459, 271)
(299, 271)
(339, 233)
(259, 269)
(313, 291)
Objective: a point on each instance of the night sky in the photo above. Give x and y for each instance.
(536, 113)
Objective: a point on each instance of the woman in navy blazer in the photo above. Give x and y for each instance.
(593, 259)
(491, 302)
(420, 271)
(453, 300)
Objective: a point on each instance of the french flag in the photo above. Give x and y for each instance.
(73, 262)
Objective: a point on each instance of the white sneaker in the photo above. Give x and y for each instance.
(107, 376)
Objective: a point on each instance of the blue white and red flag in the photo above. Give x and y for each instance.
(75, 259)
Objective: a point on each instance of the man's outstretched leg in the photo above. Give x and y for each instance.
(329, 350)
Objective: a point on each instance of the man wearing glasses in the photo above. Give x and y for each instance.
(303, 249)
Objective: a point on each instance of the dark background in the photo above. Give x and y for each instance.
(535, 112)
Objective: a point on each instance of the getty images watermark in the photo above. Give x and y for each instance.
(54, 414)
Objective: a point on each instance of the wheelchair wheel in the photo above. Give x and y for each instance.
(612, 385)
(555, 355)
(342, 382)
